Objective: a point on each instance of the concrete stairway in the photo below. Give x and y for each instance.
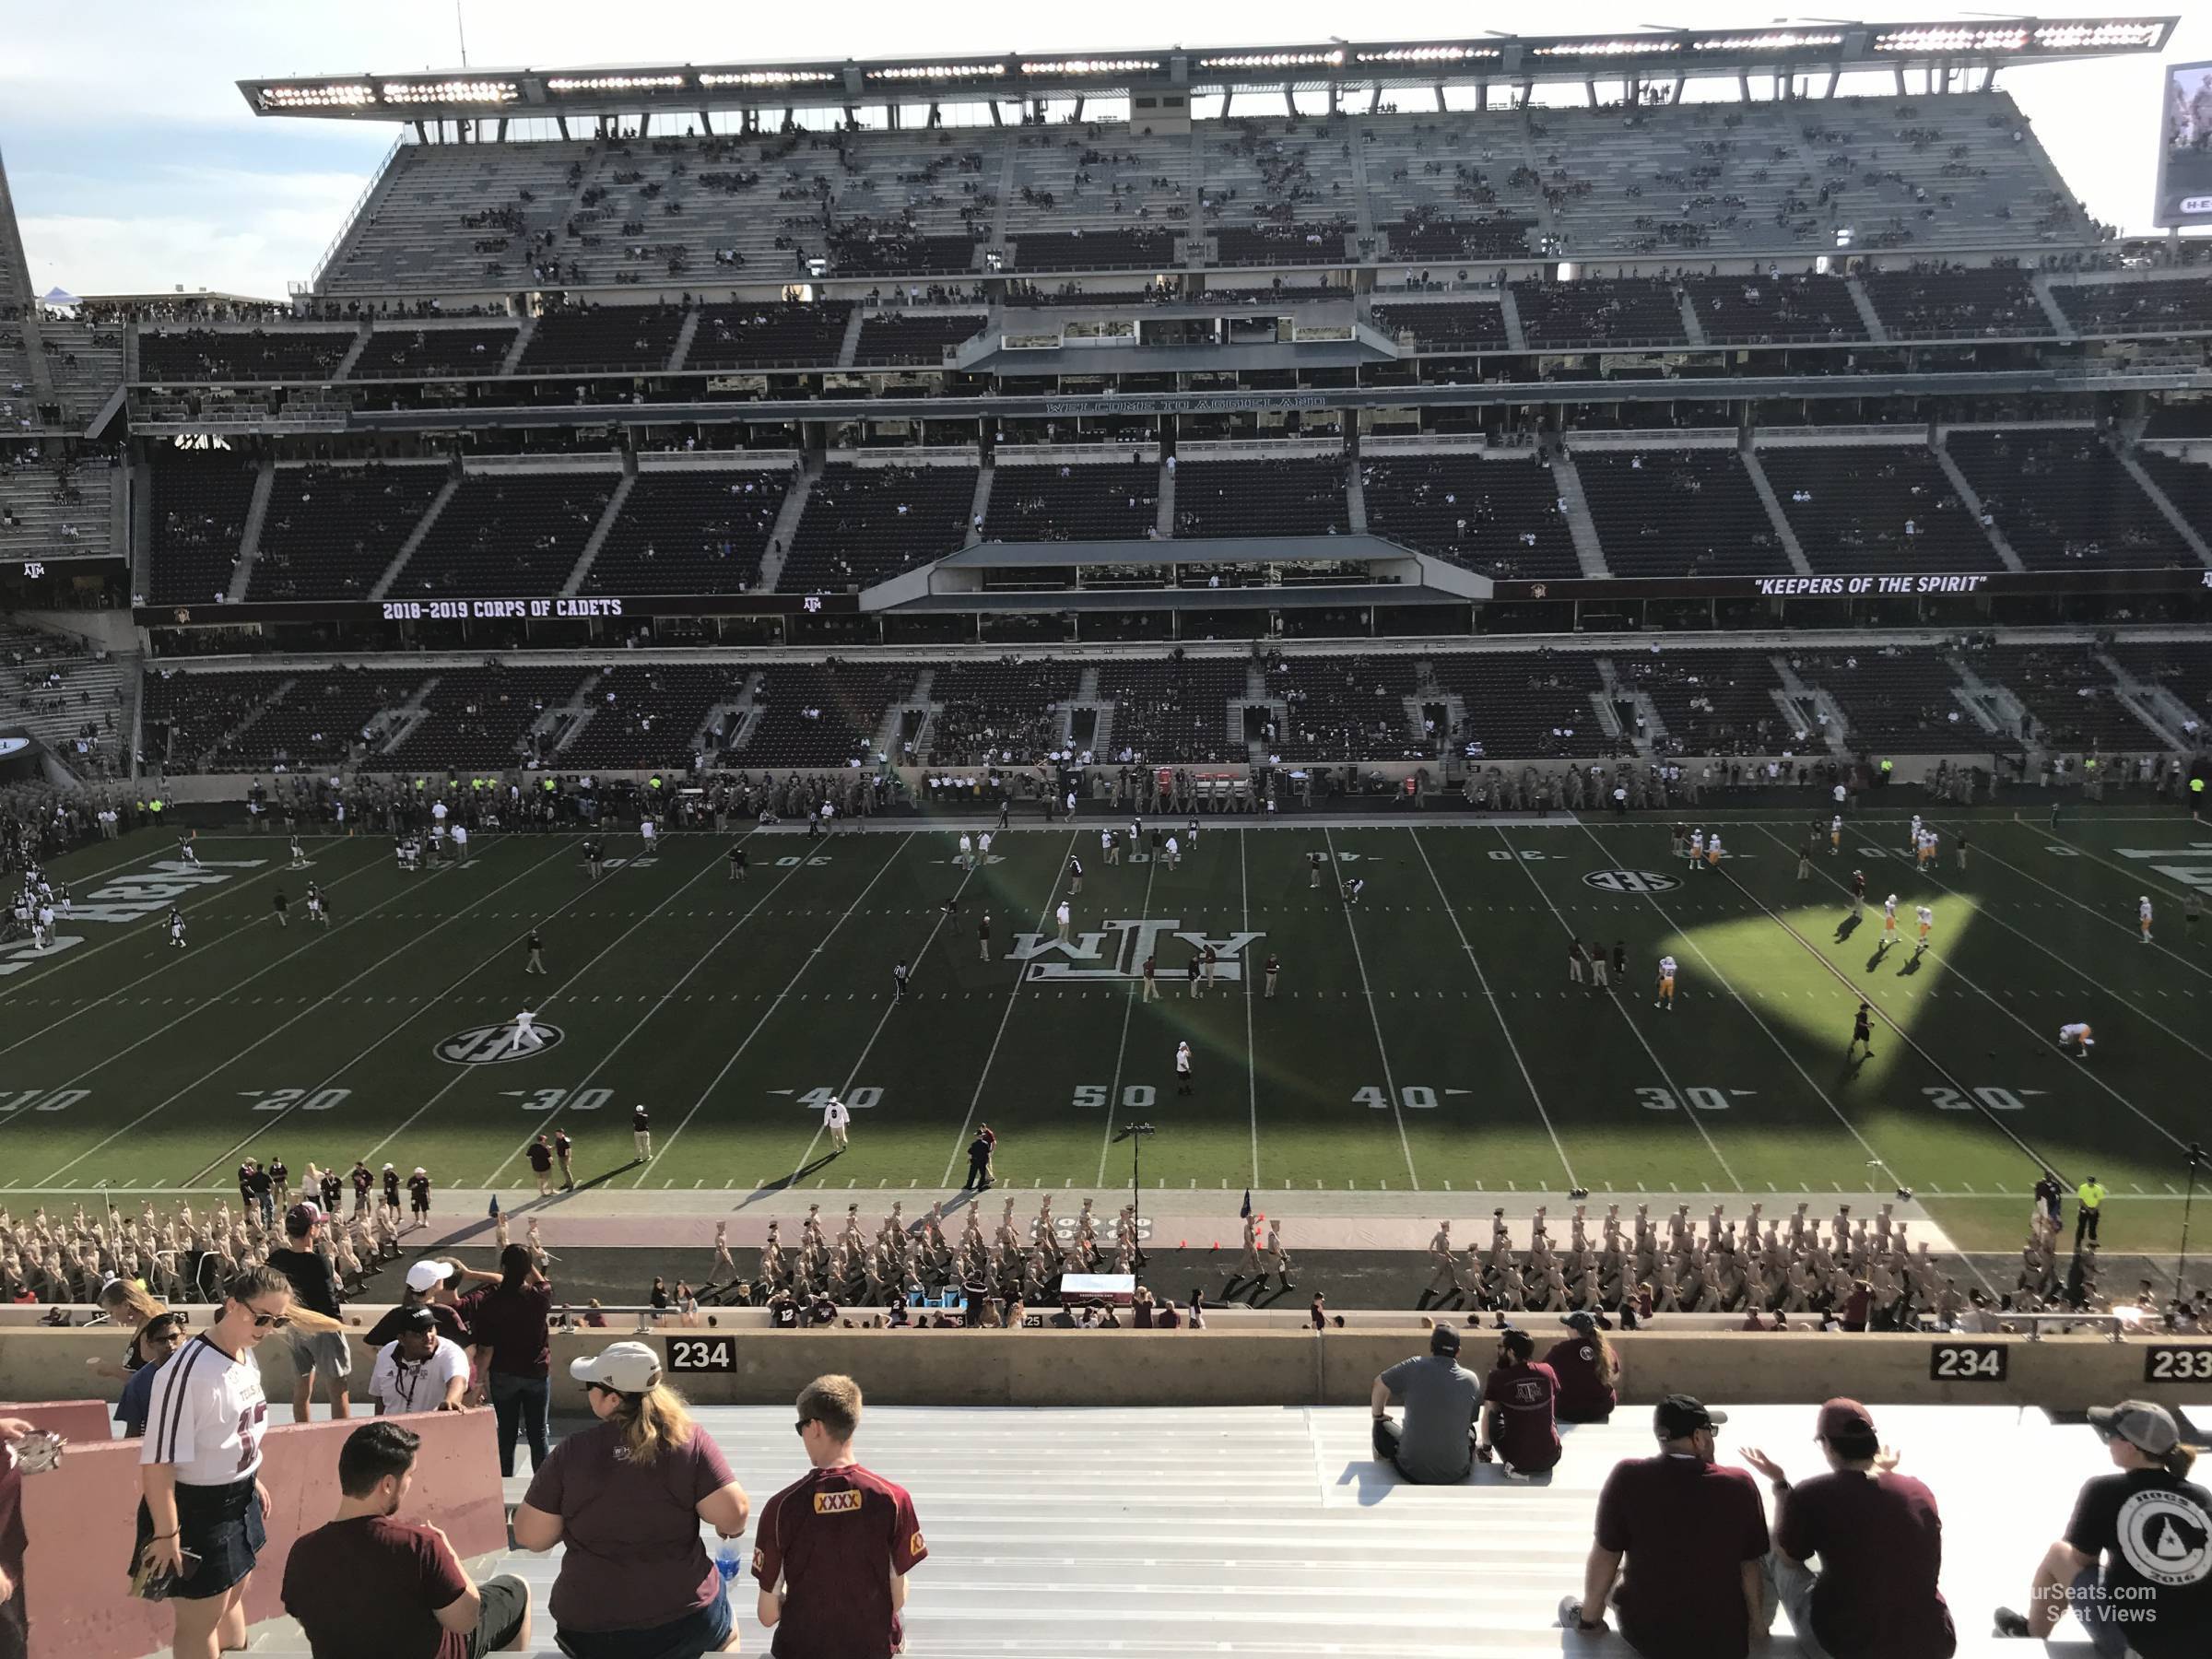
(786, 526)
(1580, 526)
(848, 347)
(249, 542)
(1867, 314)
(1164, 520)
(521, 344)
(415, 539)
(1511, 313)
(353, 353)
(2163, 502)
(597, 539)
(1780, 520)
(978, 508)
(2061, 324)
(1693, 326)
(1355, 494)
(1973, 503)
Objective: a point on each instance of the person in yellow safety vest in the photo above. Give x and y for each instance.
(2090, 1197)
(2196, 799)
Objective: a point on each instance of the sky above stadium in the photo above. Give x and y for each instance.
(136, 166)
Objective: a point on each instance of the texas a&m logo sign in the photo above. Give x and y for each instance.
(1117, 951)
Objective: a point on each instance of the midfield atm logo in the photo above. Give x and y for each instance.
(1118, 951)
(149, 891)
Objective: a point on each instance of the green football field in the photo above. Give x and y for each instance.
(1425, 1039)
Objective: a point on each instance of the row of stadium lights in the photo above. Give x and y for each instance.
(2069, 37)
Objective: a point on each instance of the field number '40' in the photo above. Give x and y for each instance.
(1414, 1097)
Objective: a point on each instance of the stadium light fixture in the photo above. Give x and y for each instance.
(934, 71)
(1767, 42)
(1426, 54)
(767, 77)
(614, 82)
(1065, 66)
(1577, 49)
(451, 91)
(351, 96)
(1272, 60)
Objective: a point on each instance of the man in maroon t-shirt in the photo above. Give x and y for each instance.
(1687, 1542)
(1880, 1544)
(369, 1586)
(834, 1548)
(1519, 1399)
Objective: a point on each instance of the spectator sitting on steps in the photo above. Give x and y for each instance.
(1435, 1447)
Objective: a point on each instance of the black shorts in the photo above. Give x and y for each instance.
(220, 1525)
(506, 1606)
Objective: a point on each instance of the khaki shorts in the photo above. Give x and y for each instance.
(324, 1353)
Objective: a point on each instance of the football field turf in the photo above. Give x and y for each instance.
(1427, 1037)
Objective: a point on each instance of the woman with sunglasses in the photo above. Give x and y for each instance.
(200, 1521)
(625, 1499)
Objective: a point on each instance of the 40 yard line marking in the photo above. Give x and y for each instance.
(1499, 1014)
(230, 1059)
(959, 1144)
(1374, 1018)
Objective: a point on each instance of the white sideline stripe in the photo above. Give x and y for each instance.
(1622, 1008)
(1373, 1019)
(229, 1059)
(1504, 1027)
(959, 1142)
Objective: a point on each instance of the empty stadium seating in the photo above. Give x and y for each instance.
(2071, 695)
(1756, 309)
(2182, 666)
(769, 334)
(1451, 325)
(863, 523)
(1498, 517)
(2179, 306)
(1641, 310)
(481, 717)
(2187, 484)
(1966, 304)
(1894, 700)
(507, 533)
(241, 354)
(1004, 709)
(919, 337)
(50, 511)
(198, 711)
(646, 715)
(819, 715)
(199, 519)
(1678, 513)
(1527, 703)
(1098, 501)
(1714, 702)
(1340, 707)
(1293, 242)
(318, 717)
(85, 360)
(331, 532)
(1298, 495)
(396, 353)
(691, 532)
(1110, 249)
(620, 338)
(1887, 508)
(1176, 709)
(2063, 501)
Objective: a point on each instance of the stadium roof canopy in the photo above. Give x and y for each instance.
(1340, 66)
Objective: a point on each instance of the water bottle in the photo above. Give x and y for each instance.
(727, 1564)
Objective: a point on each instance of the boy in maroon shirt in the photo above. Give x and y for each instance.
(834, 1548)
(1880, 1544)
(1519, 1399)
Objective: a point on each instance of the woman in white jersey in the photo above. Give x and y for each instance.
(199, 1465)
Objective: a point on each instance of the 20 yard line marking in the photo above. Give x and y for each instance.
(1374, 1019)
(959, 1144)
(232, 1058)
(1483, 980)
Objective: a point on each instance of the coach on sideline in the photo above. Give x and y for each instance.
(1436, 1447)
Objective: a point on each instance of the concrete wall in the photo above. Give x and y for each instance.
(1258, 1367)
(79, 1520)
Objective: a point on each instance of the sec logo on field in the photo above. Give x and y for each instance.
(489, 1044)
(1630, 881)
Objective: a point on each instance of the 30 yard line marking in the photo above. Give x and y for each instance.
(1483, 980)
(1374, 1018)
(1120, 1051)
(232, 1057)
(1687, 1110)
(959, 1144)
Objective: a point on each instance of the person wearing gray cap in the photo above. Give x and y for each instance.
(2135, 1562)
(1436, 1445)
(1681, 1546)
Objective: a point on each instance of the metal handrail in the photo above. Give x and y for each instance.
(352, 214)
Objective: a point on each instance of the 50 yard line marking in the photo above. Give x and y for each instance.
(1688, 1110)
(1373, 1017)
(1121, 1053)
(959, 1145)
(230, 1059)
(1503, 1026)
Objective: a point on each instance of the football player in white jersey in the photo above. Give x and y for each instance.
(2077, 1038)
(1666, 985)
(2143, 916)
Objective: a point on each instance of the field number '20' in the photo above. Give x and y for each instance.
(1996, 1100)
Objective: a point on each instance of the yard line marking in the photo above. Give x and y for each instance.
(1252, 1056)
(1888, 1020)
(2126, 928)
(1483, 980)
(87, 1008)
(920, 956)
(129, 933)
(959, 1144)
(1782, 1048)
(1360, 956)
(701, 961)
(1121, 1053)
(1687, 1110)
(229, 1059)
(551, 996)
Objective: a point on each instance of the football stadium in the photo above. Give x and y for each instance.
(1301, 704)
